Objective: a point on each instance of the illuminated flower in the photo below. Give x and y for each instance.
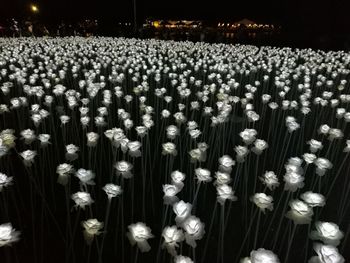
(182, 210)
(92, 228)
(313, 199)
(248, 135)
(309, 157)
(327, 232)
(92, 139)
(300, 212)
(71, 152)
(270, 180)
(225, 192)
(293, 181)
(222, 178)
(262, 201)
(44, 139)
(28, 157)
(263, 256)
(82, 199)
(203, 175)
(64, 171)
(138, 234)
(8, 235)
(112, 190)
(5, 181)
(177, 178)
(169, 148)
(326, 254)
(182, 259)
(85, 176)
(226, 163)
(259, 146)
(170, 192)
(194, 230)
(322, 165)
(134, 148)
(172, 236)
(124, 169)
(28, 136)
(315, 145)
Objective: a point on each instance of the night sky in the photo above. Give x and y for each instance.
(329, 18)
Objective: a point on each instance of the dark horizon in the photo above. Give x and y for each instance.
(319, 21)
(322, 15)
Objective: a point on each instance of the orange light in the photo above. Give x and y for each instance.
(156, 24)
(34, 8)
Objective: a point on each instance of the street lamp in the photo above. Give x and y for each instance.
(34, 8)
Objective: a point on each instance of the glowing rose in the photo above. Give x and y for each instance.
(263, 256)
(262, 201)
(92, 228)
(138, 234)
(299, 212)
(8, 235)
(327, 232)
(194, 230)
(313, 199)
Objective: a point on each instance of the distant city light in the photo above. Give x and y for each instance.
(34, 8)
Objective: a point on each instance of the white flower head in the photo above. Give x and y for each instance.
(85, 176)
(248, 135)
(270, 180)
(226, 163)
(64, 171)
(259, 146)
(309, 157)
(262, 201)
(124, 169)
(224, 192)
(172, 236)
(44, 139)
(138, 234)
(293, 181)
(322, 165)
(324, 129)
(347, 147)
(177, 179)
(92, 228)
(134, 148)
(28, 157)
(112, 190)
(170, 192)
(172, 131)
(242, 152)
(194, 230)
(315, 145)
(313, 199)
(28, 135)
(169, 148)
(182, 259)
(8, 235)
(222, 178)
(335, 134)
(5, 181)
(71, 152)
(263, 256)
(92, 139)
(300, 212)
(141, 131)
(82, 199)
(327, 232)
(326, 254)
(203, 175)
(182, 210)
